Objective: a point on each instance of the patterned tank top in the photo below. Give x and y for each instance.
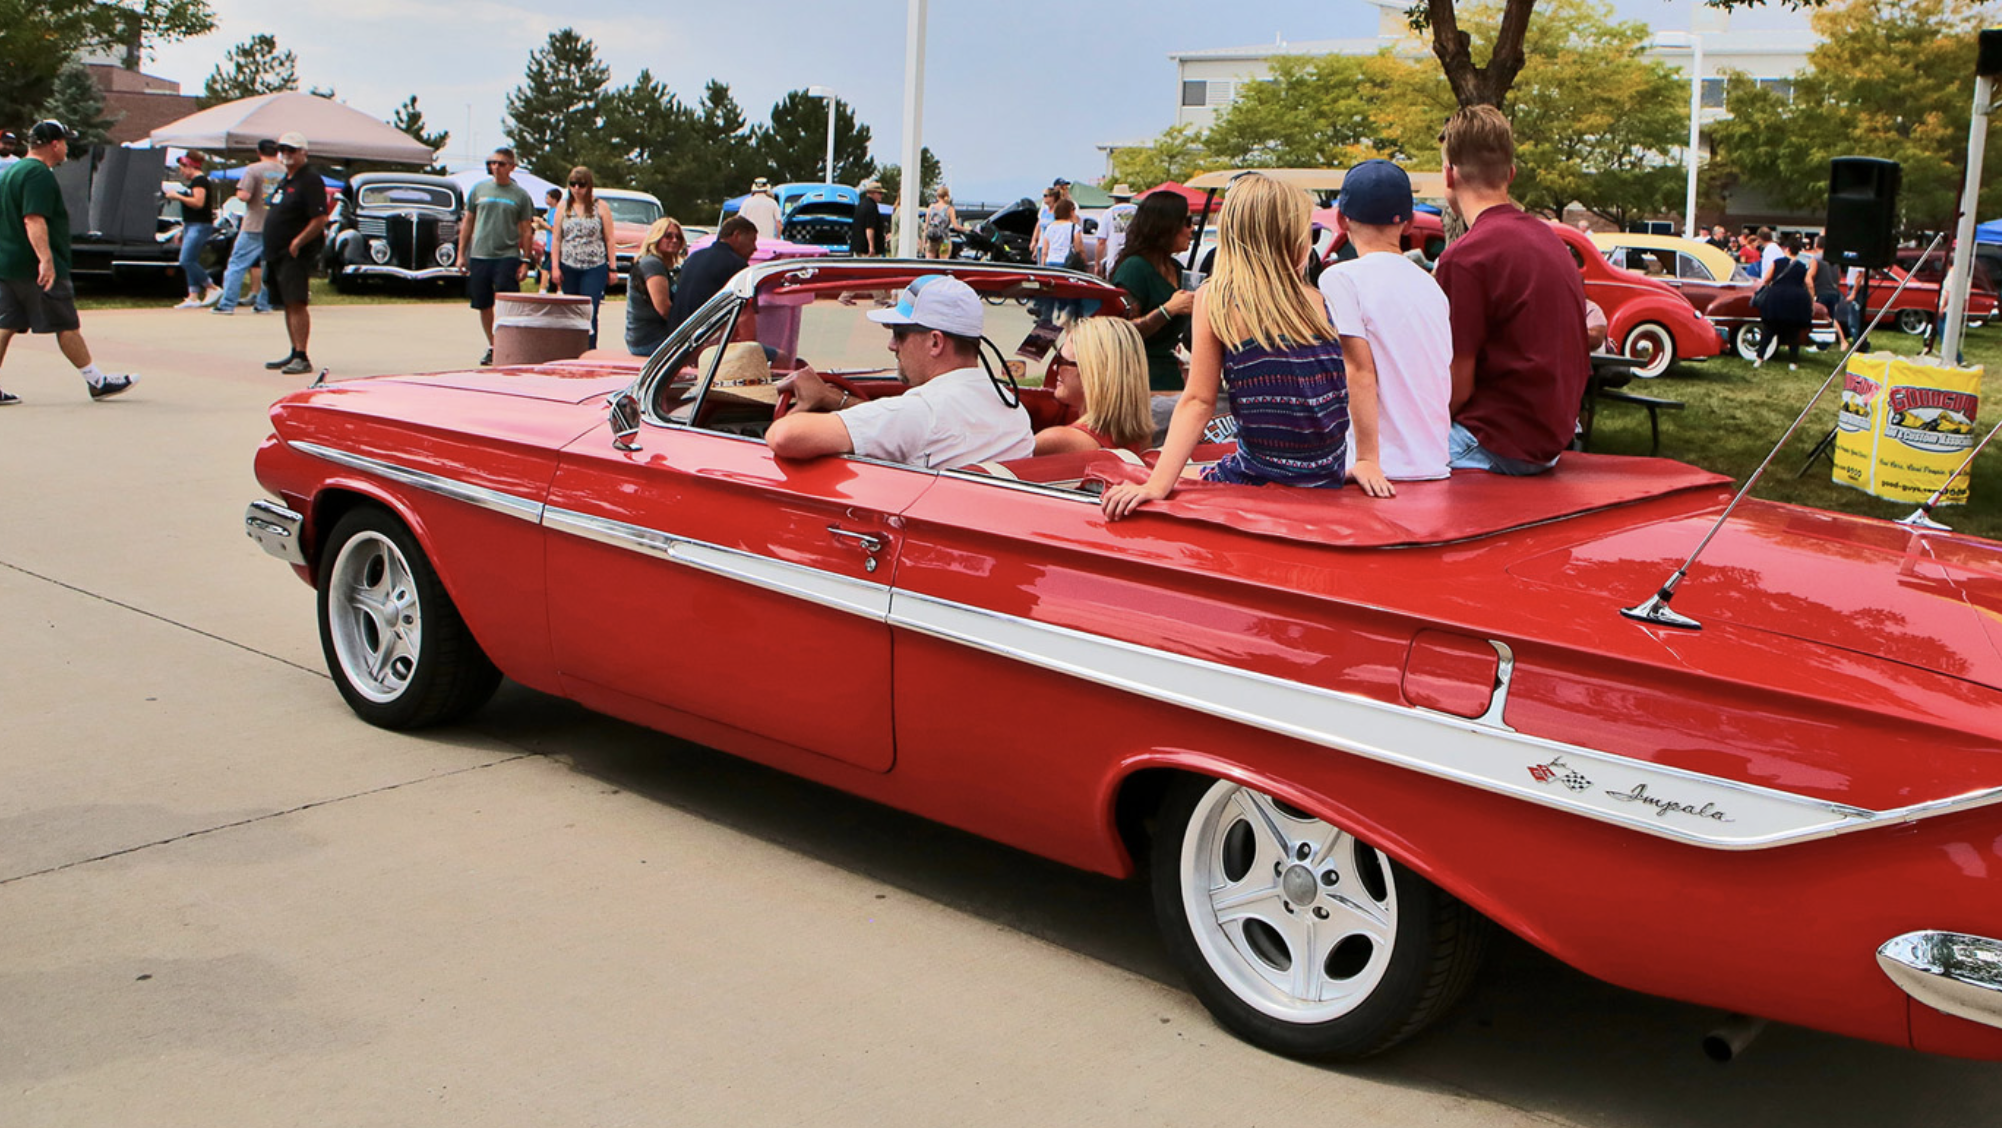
(1292, 409)
(583, 240)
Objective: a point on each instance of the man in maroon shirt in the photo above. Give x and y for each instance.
(1520, 355)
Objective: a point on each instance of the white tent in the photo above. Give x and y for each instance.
(333, 131)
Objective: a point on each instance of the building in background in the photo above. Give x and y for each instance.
(137, 103)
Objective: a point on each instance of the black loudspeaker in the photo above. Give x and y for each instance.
(1988, 62)
(1863, 210)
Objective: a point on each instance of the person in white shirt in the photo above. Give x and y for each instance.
(952, 416)
(1394, 322)
(1112, 227)
(762, 209)
(1768, 249)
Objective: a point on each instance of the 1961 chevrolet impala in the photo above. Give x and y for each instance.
(1344, 737)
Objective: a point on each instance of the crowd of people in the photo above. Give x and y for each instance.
(1380, 372)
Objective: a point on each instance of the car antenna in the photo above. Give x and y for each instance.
(1922, 518)
(1655, 609)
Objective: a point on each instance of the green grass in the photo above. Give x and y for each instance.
(1735, 414)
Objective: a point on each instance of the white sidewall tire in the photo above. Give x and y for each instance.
(1653, 340)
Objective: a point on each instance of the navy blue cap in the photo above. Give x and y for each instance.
(1377, 193)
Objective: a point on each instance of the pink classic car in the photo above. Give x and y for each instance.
(1343, 738)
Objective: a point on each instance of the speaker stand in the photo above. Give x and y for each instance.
(1825, 446)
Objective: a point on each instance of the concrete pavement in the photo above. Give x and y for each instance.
(224, 900)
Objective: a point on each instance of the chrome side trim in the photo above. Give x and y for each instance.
(1952, 972)
(842, 593)
(276, 530)
(484, 498)
(1655, 799)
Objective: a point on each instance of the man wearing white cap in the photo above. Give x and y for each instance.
(952, 416)
(762, 209)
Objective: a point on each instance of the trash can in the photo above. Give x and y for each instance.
(535, 328)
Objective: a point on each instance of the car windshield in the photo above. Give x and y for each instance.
(406, 196)
(626, 210)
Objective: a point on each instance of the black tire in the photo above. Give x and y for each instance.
(1436, 943)
(1914, 322)
(444, 676)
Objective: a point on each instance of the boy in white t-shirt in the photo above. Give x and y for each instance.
(1393, 321)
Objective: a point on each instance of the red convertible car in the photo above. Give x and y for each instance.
(1343, 738)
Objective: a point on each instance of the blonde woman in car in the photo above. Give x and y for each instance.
(1261, 330)
(1100, 373)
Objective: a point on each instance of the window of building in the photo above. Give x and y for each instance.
(1195, 92)
(1713, 93)
(1780, 86)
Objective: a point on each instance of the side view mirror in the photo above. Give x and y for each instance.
(624, 416)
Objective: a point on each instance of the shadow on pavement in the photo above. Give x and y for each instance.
(1534, 1034)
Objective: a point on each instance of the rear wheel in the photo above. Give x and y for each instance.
(394, 642)
(1914, 321)
(1652, 347)
(1748, 340)
(1298, 937)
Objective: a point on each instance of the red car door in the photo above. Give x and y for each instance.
(700, 574)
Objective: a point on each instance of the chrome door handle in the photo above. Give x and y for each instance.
(870, 542)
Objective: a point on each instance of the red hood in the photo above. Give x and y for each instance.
(567, 381)
(1929, 601)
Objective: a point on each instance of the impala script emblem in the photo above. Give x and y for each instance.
(1666, 807)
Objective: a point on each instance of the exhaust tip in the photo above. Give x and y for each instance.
(1731, 1037)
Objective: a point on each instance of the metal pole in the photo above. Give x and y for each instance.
(914, 114)
(1960, 274)
(830, 138)
(1695, 135)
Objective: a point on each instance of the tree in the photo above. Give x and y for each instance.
(39, 37)
(555, 110)
(1328, 111)
(1889, 79)
(793, 145)
(79, 104)
(410, 120)
(1596, 122)
(647, 133)
(892, 177)
(1177, 154)
(254, 66)
(721, 157)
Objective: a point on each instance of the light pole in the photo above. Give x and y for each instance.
(914, 114)
(1695, 39)
(824, 92)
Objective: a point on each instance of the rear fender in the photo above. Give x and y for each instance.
(1694, 338)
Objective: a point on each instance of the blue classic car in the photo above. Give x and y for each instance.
(816, 214)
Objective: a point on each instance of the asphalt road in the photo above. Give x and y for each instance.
(226, 901)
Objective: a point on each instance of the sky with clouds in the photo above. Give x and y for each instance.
(1015, 93)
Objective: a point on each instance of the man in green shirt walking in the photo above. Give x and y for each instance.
(35, 291)
(495, 239)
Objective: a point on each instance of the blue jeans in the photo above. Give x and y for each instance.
(588, 280)
(245, 254)
(1464, 452)
(194, 237)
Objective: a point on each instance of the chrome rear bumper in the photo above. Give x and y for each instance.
(276, 530)
(1952, 972)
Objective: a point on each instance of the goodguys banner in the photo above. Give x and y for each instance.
(1905, 424)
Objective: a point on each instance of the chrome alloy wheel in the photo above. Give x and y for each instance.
(375, 618)
(1296, 917)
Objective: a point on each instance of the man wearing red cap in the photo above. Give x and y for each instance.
(35, 291)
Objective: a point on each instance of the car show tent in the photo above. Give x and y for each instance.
(333, 131)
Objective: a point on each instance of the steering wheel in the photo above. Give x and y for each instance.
(784, 403)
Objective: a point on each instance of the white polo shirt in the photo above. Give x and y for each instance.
(952, 420)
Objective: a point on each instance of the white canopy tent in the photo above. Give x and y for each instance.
(333, 131)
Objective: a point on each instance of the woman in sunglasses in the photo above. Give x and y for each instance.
(581, 252)
(1100, 373)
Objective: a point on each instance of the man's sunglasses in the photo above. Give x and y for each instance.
(499, 164)
(578, 184)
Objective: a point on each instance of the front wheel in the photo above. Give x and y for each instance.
(1914, 321)
(1653, 346)
(1298, 937)
(394, 642)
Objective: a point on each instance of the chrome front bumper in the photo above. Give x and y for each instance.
(429, 272)
(1951, 972)
(276, 530)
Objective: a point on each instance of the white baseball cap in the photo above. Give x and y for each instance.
(936, 301)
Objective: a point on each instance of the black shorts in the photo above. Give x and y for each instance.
(288, 276)
(27, 308)
(486, 277)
